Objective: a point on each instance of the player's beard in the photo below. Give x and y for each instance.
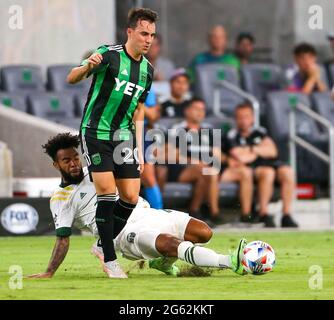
(68, 178)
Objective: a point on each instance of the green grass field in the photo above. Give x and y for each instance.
(80, 276)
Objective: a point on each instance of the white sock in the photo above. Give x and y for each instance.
(202, 257)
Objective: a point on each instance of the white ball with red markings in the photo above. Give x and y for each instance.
(259, 257)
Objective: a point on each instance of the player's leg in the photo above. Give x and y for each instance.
(127, 176)
(197, 231)
(128, 190)
(170, 246)
(105, 187)
(98, 154)
(106, 203)
(244, 176)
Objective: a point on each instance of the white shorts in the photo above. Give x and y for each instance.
(137, 239)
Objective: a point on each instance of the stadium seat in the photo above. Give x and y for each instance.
(15, 100)
(260, 78)
(80, 99)
(310, 168)
(324, 105)
(206, 77)
(51, 106)
(22, 78)
(178, 195)
(56, 80)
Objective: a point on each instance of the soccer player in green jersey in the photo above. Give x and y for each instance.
(111, 128)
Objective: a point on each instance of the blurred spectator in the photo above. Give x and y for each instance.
(152, 191)
(305, 76)
(179, 95)
(252, 148)
(163, 67)
(198, 142)
(217, 40)
(330, 37)
(328, 63)
(244, 47)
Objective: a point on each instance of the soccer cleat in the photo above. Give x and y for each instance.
(165, 265)
(236, 258)
(97, 252)
(114, 270)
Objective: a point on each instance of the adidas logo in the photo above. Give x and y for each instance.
(125, 72)
(82, 195)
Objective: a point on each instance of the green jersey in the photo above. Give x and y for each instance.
(119, 84)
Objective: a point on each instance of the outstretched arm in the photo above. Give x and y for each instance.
(58, 255)
(79, 73)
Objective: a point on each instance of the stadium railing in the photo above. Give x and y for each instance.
(247, 96)
(296, 140)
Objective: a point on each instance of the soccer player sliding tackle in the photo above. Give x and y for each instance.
(160, 236)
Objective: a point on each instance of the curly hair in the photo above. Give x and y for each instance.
(60, 141)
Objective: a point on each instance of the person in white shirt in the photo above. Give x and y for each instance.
(161, 236)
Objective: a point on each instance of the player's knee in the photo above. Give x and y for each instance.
(205, 234)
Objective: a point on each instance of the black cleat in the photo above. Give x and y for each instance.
(268, 221)
(288, 222)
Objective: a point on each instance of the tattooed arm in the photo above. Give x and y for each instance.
(58, 255)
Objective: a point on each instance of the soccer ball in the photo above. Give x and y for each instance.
(259, 257)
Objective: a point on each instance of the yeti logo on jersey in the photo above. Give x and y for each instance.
(128, 87)
(131, 237)
(96, 159)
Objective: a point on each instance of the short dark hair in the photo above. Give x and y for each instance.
(304, 48)
(193, 100)
(245, 35)
(60, 141)
(137, 14)
(243, 105)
